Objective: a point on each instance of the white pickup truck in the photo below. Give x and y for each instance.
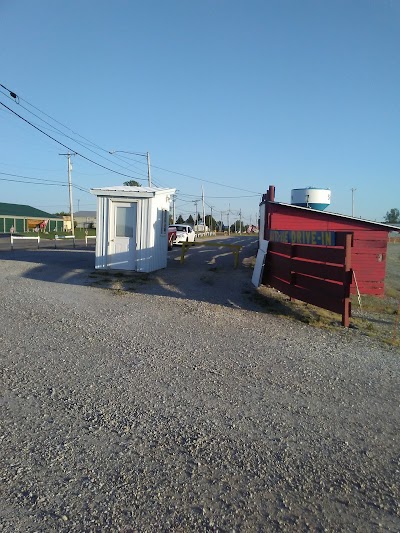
(184, 233)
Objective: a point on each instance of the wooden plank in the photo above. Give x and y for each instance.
(318, 270)
(317, 299)
(370, 245)
(259, 267)
(298, 293)
(328, 288)
(319, 253)
(277, 265)
(280, 248)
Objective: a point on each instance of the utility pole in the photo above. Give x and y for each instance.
(148, 168)
(352, 201)
(195, 222)
(173, 209)
(229, 225)
(240, 221)
(146, 155)
(211, 221)
(204, 213)
(71, 209)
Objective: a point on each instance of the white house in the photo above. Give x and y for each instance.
(132, 227)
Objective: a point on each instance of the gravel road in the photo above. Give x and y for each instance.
(172, 403)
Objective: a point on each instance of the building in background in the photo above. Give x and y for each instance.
(22, 218)
(85, 219)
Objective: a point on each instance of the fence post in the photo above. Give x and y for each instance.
(348, 275)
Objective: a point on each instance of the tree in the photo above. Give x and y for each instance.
(132, 183)
(392, 216)
(180, 220)
(211, 222)
(237, 226)
(190, 221)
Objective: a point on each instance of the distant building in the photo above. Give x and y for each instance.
(85, 219)
(23, 218)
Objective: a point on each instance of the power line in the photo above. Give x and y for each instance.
(14, 97)
(67, 147)
(206, 181)
(39, 181)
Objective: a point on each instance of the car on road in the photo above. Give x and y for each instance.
(184, 233)
(171, 237)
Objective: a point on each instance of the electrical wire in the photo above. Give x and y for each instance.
(14, 97)
(67, 147)
(17, 98)
(40, 181)
(206, 181)
(83, 145)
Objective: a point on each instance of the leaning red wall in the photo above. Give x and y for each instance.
(369, 244)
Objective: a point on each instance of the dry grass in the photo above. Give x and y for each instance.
(120, 283)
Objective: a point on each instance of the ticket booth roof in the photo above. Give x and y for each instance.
(131, 192)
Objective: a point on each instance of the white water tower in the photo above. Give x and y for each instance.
(312, 197)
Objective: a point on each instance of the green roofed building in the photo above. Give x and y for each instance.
(22, 218)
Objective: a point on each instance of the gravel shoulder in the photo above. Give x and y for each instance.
(171, 402)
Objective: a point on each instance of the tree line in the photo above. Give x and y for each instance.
(392, 216)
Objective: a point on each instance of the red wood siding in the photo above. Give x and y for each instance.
(369, 241)
(300, 271)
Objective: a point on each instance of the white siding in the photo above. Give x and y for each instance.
(152, 242)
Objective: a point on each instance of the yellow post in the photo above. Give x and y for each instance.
(183, 252)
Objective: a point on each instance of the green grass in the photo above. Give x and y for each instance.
(79, 234)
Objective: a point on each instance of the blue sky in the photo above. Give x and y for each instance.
(235, 95)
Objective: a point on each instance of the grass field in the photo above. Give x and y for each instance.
(79, 233)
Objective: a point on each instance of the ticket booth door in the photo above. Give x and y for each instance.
(123, 236)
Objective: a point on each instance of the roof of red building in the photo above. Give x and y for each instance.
(389, 227)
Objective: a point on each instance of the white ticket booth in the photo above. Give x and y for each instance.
(132, 228)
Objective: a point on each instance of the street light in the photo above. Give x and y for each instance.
(352, 201)
(146, 155)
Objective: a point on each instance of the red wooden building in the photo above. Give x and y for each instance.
(368, 255)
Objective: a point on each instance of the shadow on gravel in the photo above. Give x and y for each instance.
(207, 274)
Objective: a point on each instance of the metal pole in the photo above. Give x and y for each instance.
(352, 202)
(148, 168)
(195, 222)
(204, 213)
(229, 225)
(71, 208)
(70, 196)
